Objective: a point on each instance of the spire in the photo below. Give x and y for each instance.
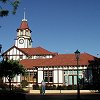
(24, 23)
(24, 17)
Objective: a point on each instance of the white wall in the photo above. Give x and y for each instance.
(60, 76)
(55, 76)
(40, 76)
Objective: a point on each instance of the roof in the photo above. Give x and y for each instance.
(58, 60)
(36, 51)
(32, 51)
(24, 25)
(30, 63)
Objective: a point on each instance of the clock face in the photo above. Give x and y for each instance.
(21, 41)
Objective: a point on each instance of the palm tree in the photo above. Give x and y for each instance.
(11, 68)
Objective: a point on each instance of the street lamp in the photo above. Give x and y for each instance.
(0, 57)
(3, 56)
(77, 55)
(1, 51)
(0, 47)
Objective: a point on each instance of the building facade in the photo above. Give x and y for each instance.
(55, 68)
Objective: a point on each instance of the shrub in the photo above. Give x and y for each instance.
(36, 87)
(19, 90)
(4, 86)
(24, 83)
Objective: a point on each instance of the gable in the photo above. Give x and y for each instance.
(14, 53)
(26, 53)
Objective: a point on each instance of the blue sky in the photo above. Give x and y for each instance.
(57, 25)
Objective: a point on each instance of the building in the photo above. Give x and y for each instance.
(55, 68)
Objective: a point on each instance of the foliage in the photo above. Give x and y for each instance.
(94, 65)
(3, 86)
(24, 83)
(11, 68)
(36, 87)
(54, 87)
(19, 90)
(15, 90)
(14, 4)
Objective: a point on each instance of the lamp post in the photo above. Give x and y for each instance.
(0, 57)
(1, 51)
(0, 48)
(77, 55)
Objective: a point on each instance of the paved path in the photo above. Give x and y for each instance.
(95, 96)
(69, 96)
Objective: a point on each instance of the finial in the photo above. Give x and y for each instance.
(24, 16)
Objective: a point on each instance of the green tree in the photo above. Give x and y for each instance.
(5, 11)
(94, 65)
(11, 68)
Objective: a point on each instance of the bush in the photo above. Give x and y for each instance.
(69, 87)
(19, 90)
(36, 87)
(4, 86)
(24, 83)
(54, 87)
(59, 87)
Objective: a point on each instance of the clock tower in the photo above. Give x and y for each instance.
(23, 39)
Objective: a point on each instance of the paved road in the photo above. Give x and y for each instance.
(63, 97)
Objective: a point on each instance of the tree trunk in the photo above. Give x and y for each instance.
(9, 83)
(1, 80)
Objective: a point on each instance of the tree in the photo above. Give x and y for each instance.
(13, 3)
(94, 65)
(11, 68)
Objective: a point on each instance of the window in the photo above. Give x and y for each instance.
(48, 76)
(29, 57)
(26, 77)
(80, 71)
(21, 32)
(70, 72)
(75, 72)
(65, 72)
(31, 76)
(21, 57)
(27, 32)
(29, 42)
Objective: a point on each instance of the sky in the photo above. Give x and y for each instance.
(61, 26)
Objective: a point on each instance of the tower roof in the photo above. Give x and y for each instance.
(24, 24)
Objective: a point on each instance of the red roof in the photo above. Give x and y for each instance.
(36, 51)
(30, 63)
(58, 60)
(24, 25)
(32, 51)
